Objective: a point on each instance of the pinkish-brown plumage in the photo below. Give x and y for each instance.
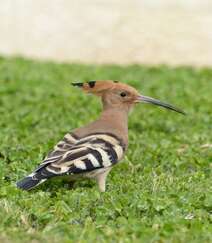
(91, 151)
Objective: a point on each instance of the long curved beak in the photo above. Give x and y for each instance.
(153, 101)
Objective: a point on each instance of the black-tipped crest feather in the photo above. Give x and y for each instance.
(80, 85)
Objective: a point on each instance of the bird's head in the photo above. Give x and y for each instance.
(120, 95)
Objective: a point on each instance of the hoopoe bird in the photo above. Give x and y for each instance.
(91, 151)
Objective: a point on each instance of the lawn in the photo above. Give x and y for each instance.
(161, 192)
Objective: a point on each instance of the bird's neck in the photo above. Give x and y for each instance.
(116, 118)
(111, 120)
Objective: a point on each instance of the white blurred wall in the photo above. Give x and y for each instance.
(108, 31)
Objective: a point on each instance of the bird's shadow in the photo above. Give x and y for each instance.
(57, 185)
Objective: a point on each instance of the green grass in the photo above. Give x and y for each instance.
(161, 192)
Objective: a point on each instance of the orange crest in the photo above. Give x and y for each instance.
(98, 87)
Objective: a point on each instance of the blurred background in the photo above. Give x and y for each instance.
(174, 32)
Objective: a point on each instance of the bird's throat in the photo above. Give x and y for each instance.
(116, 118)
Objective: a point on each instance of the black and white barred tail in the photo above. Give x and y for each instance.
(74, 156)
(34, 179)
(29, 183)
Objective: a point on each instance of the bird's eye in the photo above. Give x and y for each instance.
(123, 94)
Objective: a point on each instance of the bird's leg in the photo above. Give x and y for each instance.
(71, 184)
(101, 179)
(70, 181)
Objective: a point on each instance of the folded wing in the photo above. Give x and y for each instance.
(75, 155)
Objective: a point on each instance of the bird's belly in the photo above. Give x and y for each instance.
(90, 175)
(95, 173)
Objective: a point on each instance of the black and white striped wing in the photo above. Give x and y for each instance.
(59, 150)
(75, 156)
